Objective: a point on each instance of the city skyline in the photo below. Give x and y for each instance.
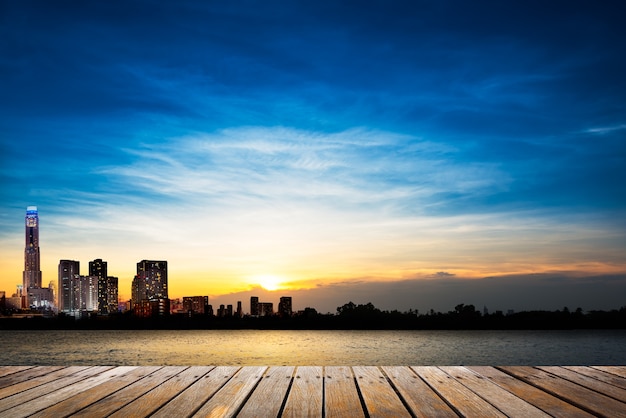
(405, 151)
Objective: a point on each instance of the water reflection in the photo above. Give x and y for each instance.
(254, 347)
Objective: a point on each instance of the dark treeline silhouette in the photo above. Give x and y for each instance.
(349, 316)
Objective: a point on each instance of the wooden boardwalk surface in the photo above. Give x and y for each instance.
(312, 391)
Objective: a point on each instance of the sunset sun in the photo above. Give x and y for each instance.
(268, 282)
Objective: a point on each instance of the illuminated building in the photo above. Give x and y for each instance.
(112, 294)
(32, 267)
(33, 295)
(68, 288)
(98, 268)
(284, 307)
(151, 280)
(195, 305)
(152, 308)
(78, 295)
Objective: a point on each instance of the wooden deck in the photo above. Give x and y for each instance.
(312, 391)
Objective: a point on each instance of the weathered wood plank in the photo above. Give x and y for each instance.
(586, 381)
(149, 402)
(268, 397)
(419, 397)
(541, 399)
(6, 370)
(192, 398)
(617, 370)
(587, 399)
(229, 399)
(117, 400)
(61, 389)
(45, 382)
(306, 395)
(25, 375)
(601, 375)
(120, 378)
(463, 400)
(341, 394)
(381, 400)
(502, 399)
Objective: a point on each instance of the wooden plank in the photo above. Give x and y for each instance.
(461, 399)
(502, 399)
(58, 390)
(616, 370)
(419, 397)
(600, 375)
(546, 402)
(149, 402)
(586, 381)
(117, 400)
(380, 399)
(229, 399)
(94, 394)
(269, 394)
(190, 400)
(25, 375)
(306, 396)
(25, 387)
(341, 394)
(268, 397)
(6, 370)
(587, 399)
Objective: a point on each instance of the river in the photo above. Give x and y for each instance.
(256, 347)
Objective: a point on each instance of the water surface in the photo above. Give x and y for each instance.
(263, 347)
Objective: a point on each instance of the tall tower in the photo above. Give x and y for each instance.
(98, 268)
(69, 286)
(32, 267)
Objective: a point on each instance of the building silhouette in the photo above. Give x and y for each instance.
(266, 309)
(195, 305)
(284, 307)
(254, 306)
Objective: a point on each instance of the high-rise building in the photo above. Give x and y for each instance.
(284, 307)
(68, 288)
(78, 294)
(31, 277)
(150, 281)
(254, 306)
(98, 268)
(112, 294)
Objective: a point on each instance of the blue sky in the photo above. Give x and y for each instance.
(318, 142)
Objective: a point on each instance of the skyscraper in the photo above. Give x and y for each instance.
(150, 282)
(98, 268)
(32, 267)
(112, 294)
(254, 305)
(69, 286)
(284, 307)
